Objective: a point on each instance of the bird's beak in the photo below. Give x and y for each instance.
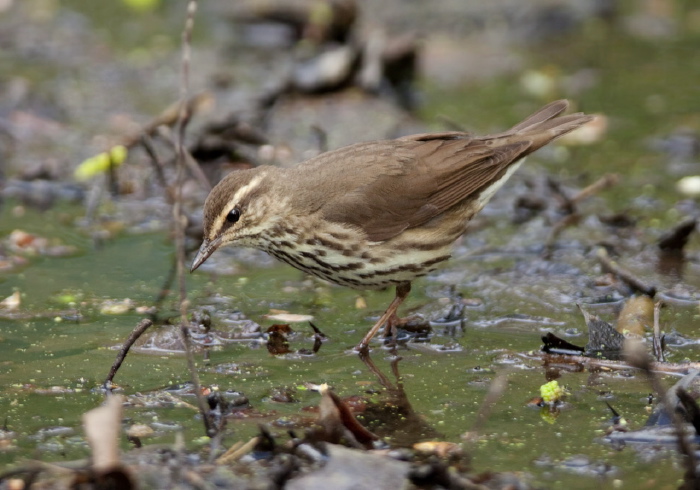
(205, 250)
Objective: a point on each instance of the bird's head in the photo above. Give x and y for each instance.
(236, 211)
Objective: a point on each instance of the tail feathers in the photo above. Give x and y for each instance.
(548, 112)
(537, 130)
(543, 133)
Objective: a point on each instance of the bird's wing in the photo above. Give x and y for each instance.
(424, 176)
(386, 187)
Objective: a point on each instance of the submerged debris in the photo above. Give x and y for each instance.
(636, 316)
(603, 339)
(675, 240)
(636, 283)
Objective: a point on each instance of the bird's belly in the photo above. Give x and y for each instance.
(359, 265)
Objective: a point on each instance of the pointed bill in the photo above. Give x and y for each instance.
(205, 250)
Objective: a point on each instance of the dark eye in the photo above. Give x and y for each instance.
(233, 215)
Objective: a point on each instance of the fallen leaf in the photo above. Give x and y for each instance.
(12, 302)
(637, 315)
(442, 449)
(102, 427)
(289, 317)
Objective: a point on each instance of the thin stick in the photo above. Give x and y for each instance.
(158, 168)
(165, 288)
(607, 180)
(135, 334)
(167, 118)
(569, 206)
(197, 385)
(633, 281)
(112, 181)
(180, 219)
(676, 369)
(559, 226)
(240, 451)
(496, 389)
(658, 346)
(190, 162)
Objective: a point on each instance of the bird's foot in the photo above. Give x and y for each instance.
(362, 350)
(414, 325)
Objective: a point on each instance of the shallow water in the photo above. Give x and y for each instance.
(58, 349)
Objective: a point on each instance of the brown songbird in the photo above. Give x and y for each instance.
(376, 214)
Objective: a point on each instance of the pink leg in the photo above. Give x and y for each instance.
(402, 291)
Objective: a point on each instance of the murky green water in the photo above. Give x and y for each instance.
(445, 389)
(647, 88)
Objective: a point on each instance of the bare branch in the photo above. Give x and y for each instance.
(180, 220)
(626, 276)
(142, 326)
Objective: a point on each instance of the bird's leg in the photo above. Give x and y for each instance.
(391, 328)
(395, 322)
(414, 323)
(402, 291)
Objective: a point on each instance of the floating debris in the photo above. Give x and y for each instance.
(116, 306)
(22, 242)
(603, 339)
(12, 302)
(289, 317)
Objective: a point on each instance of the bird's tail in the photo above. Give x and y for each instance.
(546, 125)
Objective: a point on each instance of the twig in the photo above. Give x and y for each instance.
(565, 204)
(180, 219)
(318, 338)
(633, 281)
(167, 283)
(189, 160)
(559, 226)
(593, 364)
(168, 117)
(657, 341)
(92, 203)
(157, 167)
(239, 451)
(183, 119)
(569, 204)
(236, 446)
(196, 383)
(135, 334)
(607, 180)
(496, 390)
(112, 181)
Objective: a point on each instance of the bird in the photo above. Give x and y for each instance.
(376, 214)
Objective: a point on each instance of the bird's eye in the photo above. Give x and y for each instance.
(233, 215)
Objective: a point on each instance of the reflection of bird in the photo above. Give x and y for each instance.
(376, 214)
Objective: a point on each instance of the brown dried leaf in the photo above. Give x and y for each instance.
(12, 302)
(102, 428)
(336, 418)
